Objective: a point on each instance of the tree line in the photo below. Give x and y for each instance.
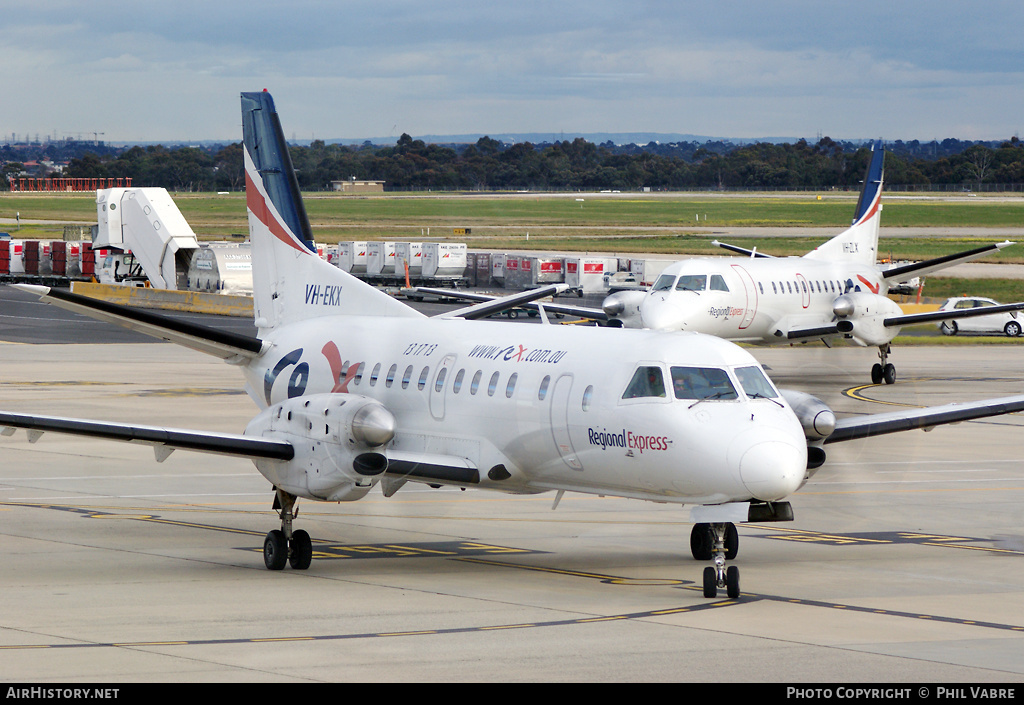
(492, 165)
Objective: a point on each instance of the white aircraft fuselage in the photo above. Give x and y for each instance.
(544, 402)
(756, 300)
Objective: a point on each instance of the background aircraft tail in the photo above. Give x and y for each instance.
(859, 242)
(290, 281)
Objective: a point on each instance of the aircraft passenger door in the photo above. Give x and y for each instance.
(748, 286)
(439, 386)
(805, 290)
(560, 422)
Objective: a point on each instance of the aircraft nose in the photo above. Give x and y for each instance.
(773, 469)
(659, 313)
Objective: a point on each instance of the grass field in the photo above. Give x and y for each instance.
(653, 223)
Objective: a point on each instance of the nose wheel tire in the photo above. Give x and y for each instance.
(714, 579)
(275, 550)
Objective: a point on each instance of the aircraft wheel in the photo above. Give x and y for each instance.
(948, 327)
(275, 550)
(710, 582)
(876, 374)
(513, 314)
(701, 542)
(889, 373)
(301, 554)
(732, 541)
(1012, 329)
(732, 582)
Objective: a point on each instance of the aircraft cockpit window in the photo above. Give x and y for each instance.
(646, 382)
(718, 283)
(702, 383)
(663, 283)
(693, 282)
(755, 384)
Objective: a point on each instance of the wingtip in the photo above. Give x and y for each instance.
(33, 289)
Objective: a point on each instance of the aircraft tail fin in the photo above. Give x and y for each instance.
(859, 242)
(290, 281)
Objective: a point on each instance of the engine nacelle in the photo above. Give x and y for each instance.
(624, 306)
(815, 416)
(863, 315)
(339, 441)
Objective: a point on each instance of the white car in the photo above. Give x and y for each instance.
(1006, 323)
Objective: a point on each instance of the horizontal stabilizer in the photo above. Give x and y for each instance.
(898, 274)
(490, 305)
(167, 438)
(741, 250)
(931, 316)
(222, 344)
(878, 424)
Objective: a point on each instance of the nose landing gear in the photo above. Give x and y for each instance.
(717, 542)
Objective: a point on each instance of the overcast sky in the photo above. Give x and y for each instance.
(895, 69)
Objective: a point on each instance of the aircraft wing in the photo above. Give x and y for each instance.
(850, 428)
(496, 304)
(223, 344)
(741, 250)
(897, 274)
(163, 440)
(912, 318)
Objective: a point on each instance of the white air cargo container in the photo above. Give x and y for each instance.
(443, 259)
(542, 270)
(647, 270)
(223, 269)
(352, 257)
(585, 275)
(410, 253)
(380, 259)
(498, 268)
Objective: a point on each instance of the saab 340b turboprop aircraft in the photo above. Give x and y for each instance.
(359, 390)
(835, 290)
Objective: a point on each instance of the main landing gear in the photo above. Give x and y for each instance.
(883, 371)
(284, 545)
(718, 543)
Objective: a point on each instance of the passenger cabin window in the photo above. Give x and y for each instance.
(406, 377)
(439, 382)
(390, 379)
(511, 387)
(375, 375)
(457, 384)
(492, 386)
(754, 383)
(588, 396)
(543, 391)
(702, 383)
(718, 283)
(646, 382)
(359, 373)
(422, 382)
(692, 282)
(475, 384)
